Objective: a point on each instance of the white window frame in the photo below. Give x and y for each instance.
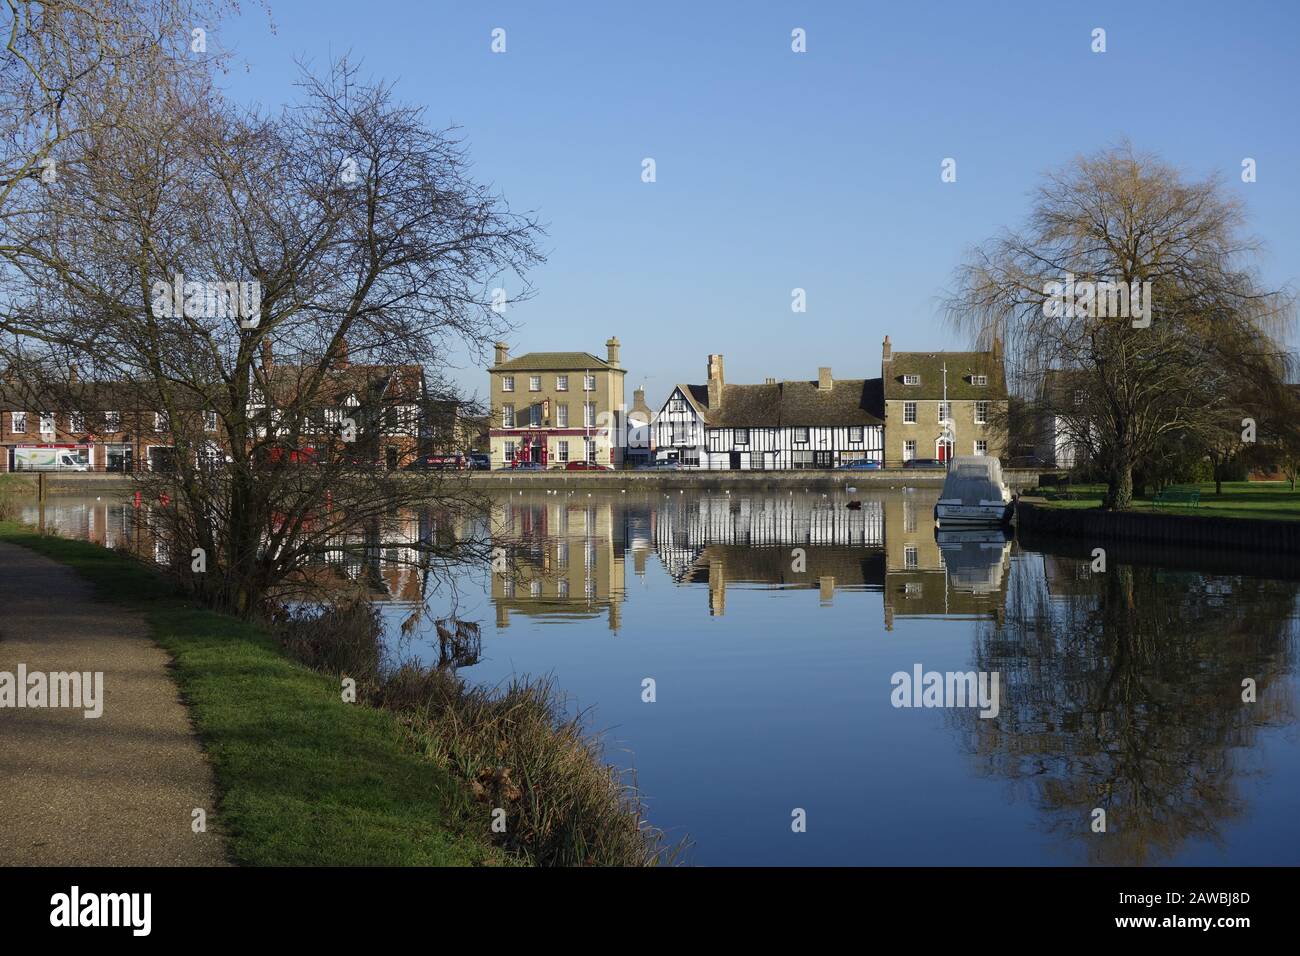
(509, 451)
(800, 435)
(979, 379)
(561, 383)
(911, 380)
(590, 449)
(507, 416)
(857, 434)
(534, 383)
(588, 414)
(209, 421)
(18, 423)
(909, 413)
(981, 413)
(945, 411)
(47, 424)
(112, 421)
(160, 421)
(76, 422)
(981, 447)
(507, 383)
(909, 449)
(588, 383)
(562, 416)
(562, 451)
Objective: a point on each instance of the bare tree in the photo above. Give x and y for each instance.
(1139, 284)
(284, 292)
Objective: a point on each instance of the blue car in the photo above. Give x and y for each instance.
(862, 464)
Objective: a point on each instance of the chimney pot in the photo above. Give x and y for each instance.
(886, 351)
(611, 347)
(824, 381)
(503, 353)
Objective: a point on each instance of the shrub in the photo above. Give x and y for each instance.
(515, 748)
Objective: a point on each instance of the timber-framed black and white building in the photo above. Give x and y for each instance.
(773, 426)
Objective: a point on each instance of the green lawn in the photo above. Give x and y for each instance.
(1240, 499)
(304, 779)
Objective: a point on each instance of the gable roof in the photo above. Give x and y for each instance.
(786, 404)
(929, 366)
(548, 361)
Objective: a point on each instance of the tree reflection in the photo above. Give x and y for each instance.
(1122, 690)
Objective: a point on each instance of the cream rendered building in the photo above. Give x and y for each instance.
(557, 407)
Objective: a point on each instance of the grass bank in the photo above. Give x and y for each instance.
(1272, 500)
(304, 779)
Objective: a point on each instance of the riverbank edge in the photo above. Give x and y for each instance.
(303, 779)
(98, 484)
(1184, 530)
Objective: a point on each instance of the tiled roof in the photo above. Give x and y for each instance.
(783, 404)
(553, 361)
(929, 366)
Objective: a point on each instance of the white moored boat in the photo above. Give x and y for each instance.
(974, 494)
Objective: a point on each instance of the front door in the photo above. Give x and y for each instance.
(943, 450)
(822, 459)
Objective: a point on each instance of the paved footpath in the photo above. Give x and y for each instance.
(117, 790)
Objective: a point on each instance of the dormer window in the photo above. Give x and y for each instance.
(979, 379)
(911, 380)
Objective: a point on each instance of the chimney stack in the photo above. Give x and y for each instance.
(886, 352)
(824, 381)
(341, 360)
(267, 360)
(503, 353)
(72, 374)
(611, 347)
(715, 381)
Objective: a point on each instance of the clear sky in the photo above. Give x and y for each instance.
(819, 170)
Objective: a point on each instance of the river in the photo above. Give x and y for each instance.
(744, 653)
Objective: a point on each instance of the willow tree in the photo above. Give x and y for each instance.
(281, 290)
(1140, 284)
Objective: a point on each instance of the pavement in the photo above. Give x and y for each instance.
(116, 790)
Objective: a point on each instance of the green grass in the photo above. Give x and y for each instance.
(303, 778)
(1240, 499)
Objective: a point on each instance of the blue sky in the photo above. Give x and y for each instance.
(778, 170)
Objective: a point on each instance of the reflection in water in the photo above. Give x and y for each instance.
(1123, 690)
(1119, 690)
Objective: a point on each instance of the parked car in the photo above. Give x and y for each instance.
(586, 466)
(439, 463)
(924, 463)
(861, 464)
(522, 466)
(668, 464)
(479, 461)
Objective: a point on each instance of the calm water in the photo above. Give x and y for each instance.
(772, 672)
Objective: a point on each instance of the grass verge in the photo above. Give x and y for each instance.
(303, 778)
(1240, 499)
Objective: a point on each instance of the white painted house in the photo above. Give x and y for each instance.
(773, 426)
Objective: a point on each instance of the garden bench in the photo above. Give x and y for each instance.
(1178, 495)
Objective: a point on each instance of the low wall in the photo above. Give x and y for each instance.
(1184, 530)
(709, 480)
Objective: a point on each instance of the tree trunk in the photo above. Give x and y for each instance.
(1119, 485)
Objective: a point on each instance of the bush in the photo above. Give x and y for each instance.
(514, 748)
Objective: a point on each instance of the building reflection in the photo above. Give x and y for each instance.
(560, 557)
(718, 541)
